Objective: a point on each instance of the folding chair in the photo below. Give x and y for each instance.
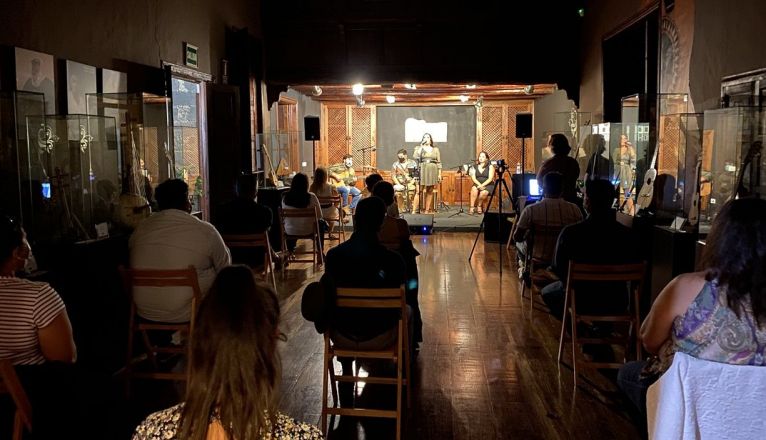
(336, 203)
(158, 278)
(539, 235)
(398, 352)
(303, 213)
(630, 274)
(10, 384)
(251, 241)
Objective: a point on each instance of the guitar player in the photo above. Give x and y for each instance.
(343, 176)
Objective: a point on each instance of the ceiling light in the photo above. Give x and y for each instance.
(357, 89)
(463, 98)
(470, 86)
(529, 89)
(390, 99)
(359, 101)
(479, 102)
(410, 86)
(317, 91)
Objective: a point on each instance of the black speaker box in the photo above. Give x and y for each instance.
(497, 228)
(311, 127)
(523, 125)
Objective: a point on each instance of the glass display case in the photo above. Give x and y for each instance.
(14, 109)
(727, 140)
(70, 178)
(145, 140)
(282, 153)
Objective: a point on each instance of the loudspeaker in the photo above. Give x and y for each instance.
(420, 224)
(523, 125)
(497, 228)
(311, 127)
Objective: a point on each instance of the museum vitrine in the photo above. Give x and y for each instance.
(282, 153)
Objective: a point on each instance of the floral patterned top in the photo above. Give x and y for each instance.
(710, 330)
(163, 425)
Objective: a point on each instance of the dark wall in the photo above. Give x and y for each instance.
(100, 33)
(461, 132)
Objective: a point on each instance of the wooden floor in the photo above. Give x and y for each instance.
(487, 367)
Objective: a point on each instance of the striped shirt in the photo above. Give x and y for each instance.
(25, 307)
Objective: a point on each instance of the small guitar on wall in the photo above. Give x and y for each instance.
(647, 190)
(694, 211)
(739, 189)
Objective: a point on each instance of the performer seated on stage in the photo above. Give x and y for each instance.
(404, 183)
(344, 178)
(483, 177)
(430, 169)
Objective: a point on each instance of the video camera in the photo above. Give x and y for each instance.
(500, 165)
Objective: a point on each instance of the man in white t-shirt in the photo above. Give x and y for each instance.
(175, 239)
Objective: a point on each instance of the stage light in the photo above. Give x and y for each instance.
(470, 86)
(410, 86)
(463, 98)
(317, 91)
(529, 89)
(479, 102)
(357, 89)
(390, 99)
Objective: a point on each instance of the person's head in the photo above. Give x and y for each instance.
(384, 190)
(594, 143)
(371, 180)
(599, 196)
(300, 184)
(234, 364)
(553, 185)
(35, 66)
(624, 140)
(320, 178)
(559, 144)
(246, 186)
(483, 157)
(14, 248)
(298, 196)
(348, 160)
(426, 140)
(401, 155)
(735, 254)
(173, 194)
(369, 216)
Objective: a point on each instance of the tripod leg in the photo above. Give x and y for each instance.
(481, 227)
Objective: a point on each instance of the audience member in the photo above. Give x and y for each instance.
(561, 163)
(175, 239)
(235, 370)
(299, 197)
(321, 187)
(716, 314)
(244, 215)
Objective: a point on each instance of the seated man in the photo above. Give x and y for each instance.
(244, 216)
(551, 211)
(600, 239)
(344, 178)
(404, 183)
(175, 239)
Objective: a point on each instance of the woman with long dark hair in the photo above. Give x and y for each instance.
(299, 197)
(428, 156)
(483, 177)
(717, 314)
(235, 370)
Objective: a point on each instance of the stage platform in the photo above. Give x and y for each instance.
(448, 220)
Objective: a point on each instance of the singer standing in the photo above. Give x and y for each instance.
(427, 155)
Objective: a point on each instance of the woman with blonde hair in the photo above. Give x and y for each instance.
(235, 370)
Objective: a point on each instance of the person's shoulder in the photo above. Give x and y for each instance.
(160, 425)
(287, 427)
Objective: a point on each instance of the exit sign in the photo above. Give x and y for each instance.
(190, 55)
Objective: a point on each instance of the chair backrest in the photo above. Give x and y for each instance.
(606, 272)
(542, 240)
(335, 200)
(260, 239)
(297, 213)
(10, 384)
(161, 278)
(386, 298)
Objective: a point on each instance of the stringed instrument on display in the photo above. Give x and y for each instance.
(272, 172)
(647, 190)
(739, 190)
(694, 211)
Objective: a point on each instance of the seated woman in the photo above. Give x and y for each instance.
(717, 314)
(321, 187)
(235, 370)
(35, 335)
(299, 197)
(483, 177)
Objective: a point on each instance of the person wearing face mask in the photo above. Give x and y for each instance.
(404, 183)
(344, 178)
(599, 239)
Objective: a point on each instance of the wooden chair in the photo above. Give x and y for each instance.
(539, 235)
(10, 384)
(158, 278)
(630, 274)
(336, 202)
(303, 213)
(251, 241)
(393, 298)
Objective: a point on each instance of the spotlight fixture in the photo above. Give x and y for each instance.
(463, 98)
(470, 86)
(479, 102)
(360, 101)
(529, 89)
(390, 99)
(317, 91)
(357, 89)
(410, 86)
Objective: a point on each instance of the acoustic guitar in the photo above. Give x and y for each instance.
(647, 190)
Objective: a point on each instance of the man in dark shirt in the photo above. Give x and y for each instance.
(562, 163)
(599, 239)
(244, 216)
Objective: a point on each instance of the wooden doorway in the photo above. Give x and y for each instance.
(287, 128)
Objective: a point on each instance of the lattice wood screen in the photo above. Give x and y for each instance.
(337, 134)
(361, 136)
(492, 131)
(667, 157)
(513, 156)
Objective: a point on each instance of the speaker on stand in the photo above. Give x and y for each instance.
(311, 133)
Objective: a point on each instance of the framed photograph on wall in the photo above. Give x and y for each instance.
(113, 81)
(80, 79)
(35, 73)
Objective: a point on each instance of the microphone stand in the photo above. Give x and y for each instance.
(460, 177)
(364, 156)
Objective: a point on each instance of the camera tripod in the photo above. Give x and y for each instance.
(498, 187)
